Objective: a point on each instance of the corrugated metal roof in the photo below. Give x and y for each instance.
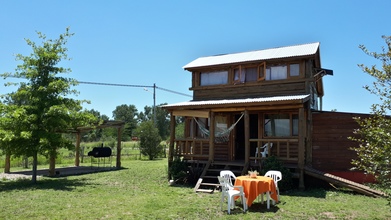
(267, 54)
(239, 101)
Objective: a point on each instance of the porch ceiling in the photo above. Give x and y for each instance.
(236, 103)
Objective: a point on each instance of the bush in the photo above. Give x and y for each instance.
(272, 163)
(178, 170)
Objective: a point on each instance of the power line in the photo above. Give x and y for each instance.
(127, 85)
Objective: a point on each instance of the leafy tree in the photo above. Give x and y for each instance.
(149, 140)
(162, 119)
(374, 135)
(41, 109)
(95, 134)
(128, 114)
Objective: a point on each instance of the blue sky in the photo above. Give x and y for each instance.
(147, 42)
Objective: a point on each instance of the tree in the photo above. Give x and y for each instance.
(128, 114)
(41, 109)
(162, 119)
(374, 134)
(149, 140)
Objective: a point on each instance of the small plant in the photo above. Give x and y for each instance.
(253, 173)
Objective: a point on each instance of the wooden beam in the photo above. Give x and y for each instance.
(246, 137)
(302, 131)
(172, 138)
(118, 161)
(212, 136)
(191, 113)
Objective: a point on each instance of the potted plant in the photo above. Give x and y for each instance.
(253, 174)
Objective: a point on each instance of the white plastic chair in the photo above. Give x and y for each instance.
(230, 192)
(264, 152)
(276, 176)
(228, 175)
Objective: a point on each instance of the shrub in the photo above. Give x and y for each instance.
(178, 170)
(272, 163)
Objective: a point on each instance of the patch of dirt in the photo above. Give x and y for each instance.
(9, 176)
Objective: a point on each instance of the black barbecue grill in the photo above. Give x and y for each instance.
(100, 154)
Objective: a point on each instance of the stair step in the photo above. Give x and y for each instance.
(205, 190)
(210, 184)
(210, 177)
(295, 175)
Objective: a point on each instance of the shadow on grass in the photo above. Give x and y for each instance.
(63, 184)
(59, 182)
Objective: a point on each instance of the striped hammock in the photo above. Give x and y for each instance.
(221, 136)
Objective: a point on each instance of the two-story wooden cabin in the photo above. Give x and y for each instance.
(242, 101)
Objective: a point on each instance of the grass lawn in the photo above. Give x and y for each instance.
(141, 191)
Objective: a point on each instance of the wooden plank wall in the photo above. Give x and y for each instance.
(330, 144)
(254, 90)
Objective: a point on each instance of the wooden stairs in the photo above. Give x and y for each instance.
(208, 181)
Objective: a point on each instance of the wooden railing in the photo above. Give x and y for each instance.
(191, 148)
(284, 149)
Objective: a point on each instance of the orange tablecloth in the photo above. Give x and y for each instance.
(253, 187)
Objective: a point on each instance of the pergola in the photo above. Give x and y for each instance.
(106, 124)
(78, 131)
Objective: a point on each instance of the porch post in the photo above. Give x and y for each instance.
(77, 156)
(246, 137)
(212, 136)
(172, 138)
(172, 142)
(301, 156)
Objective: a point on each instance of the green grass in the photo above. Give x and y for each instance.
(141, 191)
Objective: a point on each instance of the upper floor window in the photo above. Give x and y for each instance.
(214, 78)
(282, 71)
(242, 75)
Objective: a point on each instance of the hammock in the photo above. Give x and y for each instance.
(221, 136)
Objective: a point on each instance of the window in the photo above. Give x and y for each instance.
(281, 125)
(294, 69)
(276, 72)
(249, 73)
(242, 75)
(214, 78)
(282, 71)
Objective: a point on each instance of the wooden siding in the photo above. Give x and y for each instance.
(251, 90)
(330, 143)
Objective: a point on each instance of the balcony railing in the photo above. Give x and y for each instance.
(283, 149)
(191, 148)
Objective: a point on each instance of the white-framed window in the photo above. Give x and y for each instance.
(214, 78)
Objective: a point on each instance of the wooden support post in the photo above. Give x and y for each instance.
(119, 137)
(172, 142)
(246, 137)
(212, 136)
(301, 156)
(77, 156)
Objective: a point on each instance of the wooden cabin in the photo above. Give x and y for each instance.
(243, 101)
